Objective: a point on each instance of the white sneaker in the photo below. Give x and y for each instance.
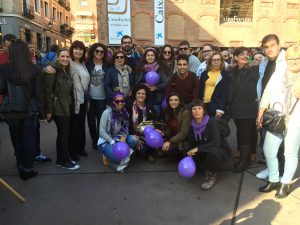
(263, 174)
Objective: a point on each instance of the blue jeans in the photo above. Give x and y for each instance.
(24, 137)
(106, 148)
(143, 151)
(291, 148)
(93, 118)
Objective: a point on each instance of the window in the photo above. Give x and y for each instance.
(83, 3)
(60, 17)
(54, 14)
(67, 20)
(37, 6)
(46, 9)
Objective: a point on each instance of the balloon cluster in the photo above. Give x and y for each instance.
(152, 137)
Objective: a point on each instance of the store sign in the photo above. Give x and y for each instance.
(3, 21)
(159, 22)
(119, 21)
(236, 11)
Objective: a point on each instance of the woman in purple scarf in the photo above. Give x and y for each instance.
(150, 63)
(206, 143)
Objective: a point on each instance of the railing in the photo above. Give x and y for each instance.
(28, 10)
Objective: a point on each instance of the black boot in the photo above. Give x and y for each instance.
(269, 187)
(283, 190)
(25, 174)
(244, 159)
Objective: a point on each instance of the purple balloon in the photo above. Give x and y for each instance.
(154, 139)
(148, 129)
(120, 150)
(163, 104)
(187, 167)
(152, 78)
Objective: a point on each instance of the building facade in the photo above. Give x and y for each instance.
(226, 23)
(40, 22)
(84, 20)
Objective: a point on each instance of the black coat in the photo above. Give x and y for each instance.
(242, 93)
(219, 97)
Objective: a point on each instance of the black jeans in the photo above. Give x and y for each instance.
(77, 132)
(246, 133)
(62, 140)
(93, 117)
(24, 138)
(208, 161)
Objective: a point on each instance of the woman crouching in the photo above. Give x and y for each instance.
(206, 143)
(114, 127)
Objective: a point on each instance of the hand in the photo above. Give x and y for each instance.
(140, 145)
(192, 152)
(49, 69)
(123, 139)
(259, 118)
(166, 146)
(219, 114)
(153, 88)
(49, 117)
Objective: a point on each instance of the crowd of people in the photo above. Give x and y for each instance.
(202, 88)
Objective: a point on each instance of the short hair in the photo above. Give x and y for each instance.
(125, 37)
(258, 52)
(292, 52)
(239, 50)
(269, 37)
(183, 57)
(209, 66)
(94, 47)
(9, 37)
(141, 86)
(54, 48)
(184, 42)
(78, 44)
(210, 45)
(116, 53)
(198, 102)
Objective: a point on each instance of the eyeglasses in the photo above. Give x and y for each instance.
(119, 101)
(206, 51)
(183, 49)
(98, 51)
(127, 43)
(216, 60)
(167, 52)
(119, 57)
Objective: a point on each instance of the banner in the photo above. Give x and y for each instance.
(118, 12)
(159, 22)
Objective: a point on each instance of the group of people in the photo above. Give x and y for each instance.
(117, 100)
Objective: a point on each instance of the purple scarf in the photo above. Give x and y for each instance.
(199, 128)
(151, 67)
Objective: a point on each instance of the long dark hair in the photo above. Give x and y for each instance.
(67, 69)
(170, 113)
(162, 62)
(20, 65)
(77, 44)
(94, 47)
(144, 62)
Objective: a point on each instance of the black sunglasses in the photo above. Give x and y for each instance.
(183, 49)
(98, 51)
(120, 57)
(119, 101)
(167, 52)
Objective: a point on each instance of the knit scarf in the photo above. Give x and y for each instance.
(135, 114)
(124, 72)
(119, 121)
(199, 128)
(151, 67)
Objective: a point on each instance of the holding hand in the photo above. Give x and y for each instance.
(166, 146)
(192, 152)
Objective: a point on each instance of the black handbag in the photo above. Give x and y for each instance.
(274, 120)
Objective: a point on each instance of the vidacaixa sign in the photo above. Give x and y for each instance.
(159, 22)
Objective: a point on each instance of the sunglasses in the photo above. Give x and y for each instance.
(167, 52)
(99, 51)
(183, 49)
(120, 57)
(119, 101)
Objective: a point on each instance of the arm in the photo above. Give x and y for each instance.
(224, 94)
(39, 93)
(162, 85)
(108, 85)
(48, 82)
(104, 122)
(184, 129)
(196, 90)
(215, 137)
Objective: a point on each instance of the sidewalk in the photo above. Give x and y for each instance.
(146, 194)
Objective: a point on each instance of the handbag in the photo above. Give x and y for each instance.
(274, 120)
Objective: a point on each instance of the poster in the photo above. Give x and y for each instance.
(119, 23)
(159, 22)
(236, 11)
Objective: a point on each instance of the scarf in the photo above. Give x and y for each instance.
(135, 114)
(199, 128)
(119, 121)
(151, 67)
(124, 72)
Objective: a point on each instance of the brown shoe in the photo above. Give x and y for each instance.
(236, 154)
(209, 181)
(105, 160)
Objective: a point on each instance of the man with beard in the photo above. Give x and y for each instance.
(133, 58)
(184, 82)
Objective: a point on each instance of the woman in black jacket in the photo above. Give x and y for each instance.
(140, 109)
(214, 86)
(206, 143)
(243, 105)
(20, 82)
